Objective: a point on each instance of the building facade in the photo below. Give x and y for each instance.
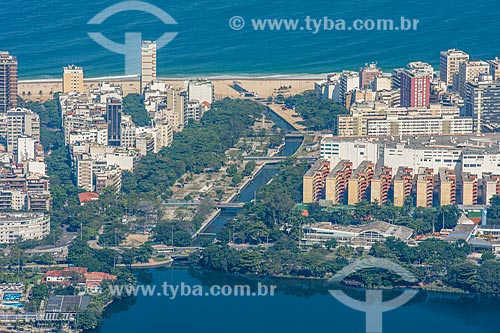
(449, 64)
(23, 226)
(73, 79)
(148, 64)
(8, 82)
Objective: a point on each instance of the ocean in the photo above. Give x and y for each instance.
(46, 35)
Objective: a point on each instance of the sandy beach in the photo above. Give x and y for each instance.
(39, 90)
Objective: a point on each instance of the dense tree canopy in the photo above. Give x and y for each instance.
(133, 105)
(200, 146)
(318, 115)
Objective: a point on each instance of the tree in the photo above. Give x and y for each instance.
(133, 105)
(237, 178)
(488, 276)
(331, 244)
(318, 115)
(232, 170)
(249, 168)
(462, 275)
(87, 320)
(171, 233)
(488, 255)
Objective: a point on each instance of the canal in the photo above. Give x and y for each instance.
(262, 178)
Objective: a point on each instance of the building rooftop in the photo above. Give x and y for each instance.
(318, 165)
(463, 231)
(87, 197)
(485, 143)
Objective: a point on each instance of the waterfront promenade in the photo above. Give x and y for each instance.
(264, 87)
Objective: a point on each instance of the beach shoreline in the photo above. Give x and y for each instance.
(263, 86)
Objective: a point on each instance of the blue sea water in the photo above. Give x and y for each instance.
(45, 35)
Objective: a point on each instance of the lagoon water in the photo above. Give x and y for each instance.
(46, 35)
(298, 306)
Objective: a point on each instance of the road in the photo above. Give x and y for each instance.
(60, 247)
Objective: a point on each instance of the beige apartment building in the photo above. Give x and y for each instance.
(337, 181)
(359, 182)
(380, 185)
(73, 79)
(424, 187)
(469, 189)
(449, 64)
(447, 187)
(314, 181)
(402, 185)
(469, 71)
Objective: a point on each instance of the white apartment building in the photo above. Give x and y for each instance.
(96, 134)
(419, 125)
(378, 118)
(469, 71)
(23, 226)
(127, 132)
(25, 149)
(21, 122)
(349, 81)
(329, 88)
(200, 90)
(148, 63)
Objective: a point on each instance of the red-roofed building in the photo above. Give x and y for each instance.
(87, 197)
(93, 280)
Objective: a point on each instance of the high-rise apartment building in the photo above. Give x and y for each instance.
(148, 63)
(113, 118)
(494, 68)
(21, 122)
(8, 82)
(469, 71)
(415, 85)
(201, 91)
(73, 79)
(349, 81)
(367, 74)
(176, 108)
(449, 64)
(482, 102)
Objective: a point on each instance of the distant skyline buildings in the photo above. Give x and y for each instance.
(8, 81)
